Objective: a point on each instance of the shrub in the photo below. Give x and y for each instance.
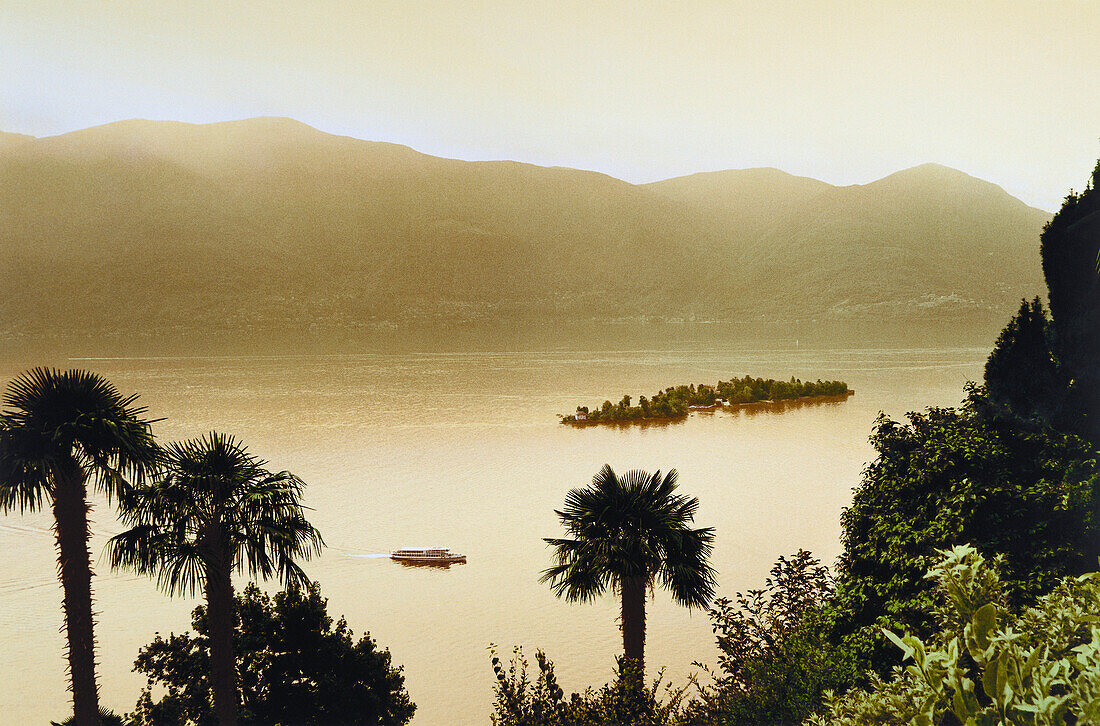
(520, 700)
(775, 660)
(984, 664)
(951, 476)
(295, 668)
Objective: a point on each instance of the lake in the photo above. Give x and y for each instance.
(464, 450)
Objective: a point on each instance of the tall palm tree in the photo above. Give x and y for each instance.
(216, 510)
(630, 533)
(60, 431)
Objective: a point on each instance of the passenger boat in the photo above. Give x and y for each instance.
(428, 555)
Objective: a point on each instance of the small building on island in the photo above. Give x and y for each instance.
(582, 413)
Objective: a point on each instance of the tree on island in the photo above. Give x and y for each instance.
(629, 533)
(674, 402)
(216, 510)
(61, 431)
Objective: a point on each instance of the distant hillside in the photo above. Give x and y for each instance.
(166, 229)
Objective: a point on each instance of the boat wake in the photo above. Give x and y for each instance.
(370, 557)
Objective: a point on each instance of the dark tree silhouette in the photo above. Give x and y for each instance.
(297, 667)
(215, 511)
(62, 430)
(1021, 373)
(1070, 251)
(629, 533)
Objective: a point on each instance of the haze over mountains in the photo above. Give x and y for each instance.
(173, 231)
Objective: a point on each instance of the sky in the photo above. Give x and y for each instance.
(846, 92)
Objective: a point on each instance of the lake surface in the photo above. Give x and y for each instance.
(464, 450)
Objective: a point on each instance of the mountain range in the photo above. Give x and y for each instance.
(177, 231)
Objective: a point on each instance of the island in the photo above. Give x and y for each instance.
(677, 401)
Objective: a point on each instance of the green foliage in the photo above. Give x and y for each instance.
(674, 402)
(952, 476)
(295, 666)
(775, 660)
(1021, 373)
(520, 700)
(984, 664)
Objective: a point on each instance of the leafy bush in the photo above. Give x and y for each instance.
(985, 665)
(295, 668)
(952, 476)
(775, 660)
(520, 700)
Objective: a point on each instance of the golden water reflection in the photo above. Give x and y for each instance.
(429, 565)
(736, 410)
(751, 410)
(464, 449)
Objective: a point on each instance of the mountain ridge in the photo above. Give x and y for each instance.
(255, 123)
(270, 224)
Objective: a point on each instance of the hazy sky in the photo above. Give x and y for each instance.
(842, 91)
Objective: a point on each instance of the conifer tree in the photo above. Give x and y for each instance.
(1021, 373)
(1070, 251)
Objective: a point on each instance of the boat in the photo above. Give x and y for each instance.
(427, 555)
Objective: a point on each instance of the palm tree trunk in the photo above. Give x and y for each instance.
(219, 609)
(70, 511)
(633, 623)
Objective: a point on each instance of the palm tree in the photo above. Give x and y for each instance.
(216, 510)
(629, 533)
(60, 431)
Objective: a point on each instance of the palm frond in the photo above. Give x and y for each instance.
(25, 482)
(628, 527)
(141, 548)
(58, 418)
(216, 504)
(183, 569)
(686, 571)
(577, 574)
